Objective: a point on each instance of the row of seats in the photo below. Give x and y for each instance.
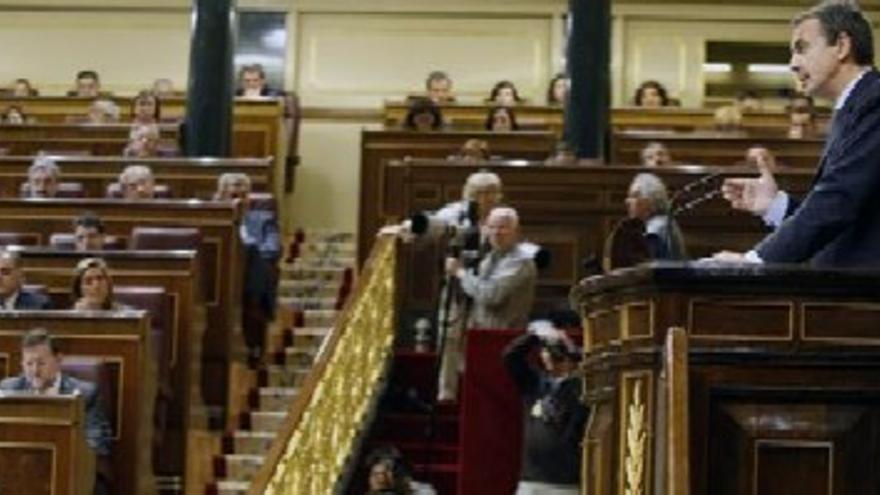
(140, 238)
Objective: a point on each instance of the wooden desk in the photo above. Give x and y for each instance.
(713, 148)
(43, 450)
(220, 252)
(177, 272)
(378, 148)
(121, 340)
(770, 382)
(569, 210)
(186, 177)
(473, 116)
(257, 123)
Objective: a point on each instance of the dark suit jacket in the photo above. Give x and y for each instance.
(838, 222)
(266, 91)
(98, 433)
(31, 300)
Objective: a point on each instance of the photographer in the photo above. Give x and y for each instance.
(500, 291)
(481, 193)
(553, 415)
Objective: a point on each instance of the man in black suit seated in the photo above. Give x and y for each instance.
(12, 293)
(253, 83)
(838, 223)
(41, 374)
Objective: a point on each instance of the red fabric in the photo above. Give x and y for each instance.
(491, 418)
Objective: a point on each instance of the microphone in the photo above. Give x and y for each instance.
(689, 205)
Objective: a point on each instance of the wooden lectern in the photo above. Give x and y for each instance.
(731, 379)
(43, 448)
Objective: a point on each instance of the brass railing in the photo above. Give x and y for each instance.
(310, 452)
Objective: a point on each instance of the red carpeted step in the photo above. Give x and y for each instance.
(397, 427)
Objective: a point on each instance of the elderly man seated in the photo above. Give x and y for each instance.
(648, 202)
(41, 374)
(44, 176)
(259, 234)
(137, 182)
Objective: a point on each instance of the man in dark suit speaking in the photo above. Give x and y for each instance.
(838, 223)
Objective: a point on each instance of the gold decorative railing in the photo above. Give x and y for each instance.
(310, 452)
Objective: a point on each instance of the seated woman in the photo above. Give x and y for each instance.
(146, 108)
(92, 287)
(501, 119)
(651, 94)
(648, 202)
(423, 116)
(504, 93)
(557, 91)
(22, 88)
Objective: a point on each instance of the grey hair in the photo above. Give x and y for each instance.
(479, 181)
(107, 108)
(14, 257)
(505, 212)
(44, 164)
(843, 16)
(651, 187)
(229, 177)
(134, 172)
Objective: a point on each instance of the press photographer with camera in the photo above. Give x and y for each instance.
(497, 293)
(481, 193)
(553, 414)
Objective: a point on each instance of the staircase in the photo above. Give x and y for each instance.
(315, 279)
(404, 421)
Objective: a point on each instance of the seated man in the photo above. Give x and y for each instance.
(259, 234)
(648, 202)
(762, 158)
(252, 79)
(438, 87)
(12, 293)
(553, 415)
(655, 154)
(137, 182)
(41, 374)
(88, 85)
(44, 175)
(88, 232)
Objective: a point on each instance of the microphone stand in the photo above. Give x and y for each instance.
(676, 207)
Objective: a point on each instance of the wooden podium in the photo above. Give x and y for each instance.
(731, 379)
(43, 448)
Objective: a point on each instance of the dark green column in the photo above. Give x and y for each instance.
(210, 91)
(589, 57)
